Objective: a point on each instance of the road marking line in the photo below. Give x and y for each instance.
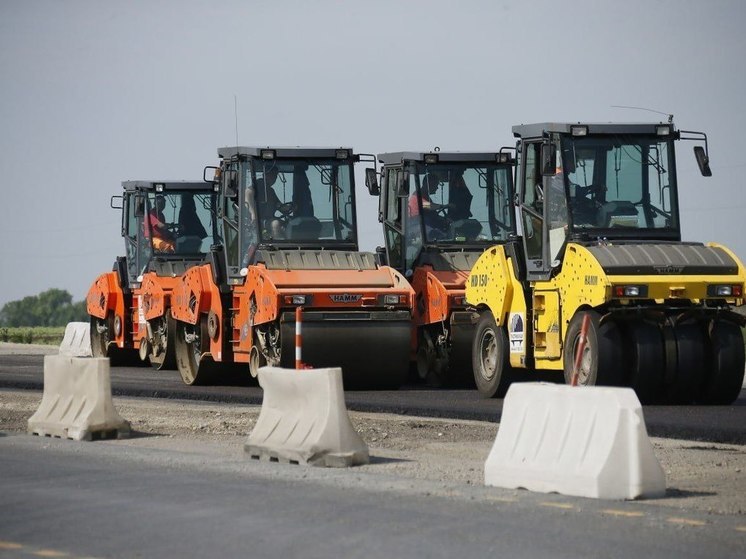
(9, 545)
(50, 553)
(503, 499)
(565, 506)
(628, 513)
(686, 521)
(740, 528)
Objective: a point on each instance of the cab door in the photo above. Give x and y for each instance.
(392, 218)
(531, 204)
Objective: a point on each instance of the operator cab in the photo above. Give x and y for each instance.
(592, 183)
(167, 226)
(443, 202)
(277, 198)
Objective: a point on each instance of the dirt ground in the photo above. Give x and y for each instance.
(700, 476)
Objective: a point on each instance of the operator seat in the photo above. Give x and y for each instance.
(617, 214)
(307, 228)
(467, 228)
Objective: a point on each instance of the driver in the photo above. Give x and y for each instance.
(459, 206)
(163, 238)
(269, 203)
(430, 209)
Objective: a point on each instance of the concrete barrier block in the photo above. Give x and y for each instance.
(582, 441)
(77, 340)
(77, 402)
(304, 420)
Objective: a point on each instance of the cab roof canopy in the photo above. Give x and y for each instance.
(539, 129)
(165, 185)
(285, 152)
(398, 157)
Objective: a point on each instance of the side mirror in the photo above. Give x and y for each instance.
(548, 160)
(371, 181)
(231, 184)
(139, 206)
(381, 256)
(703, 161)
(211, 174)
(402, 184)
(117, 202)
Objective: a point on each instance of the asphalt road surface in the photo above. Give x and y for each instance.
(161, 497)
(726, 424)
(65, 499)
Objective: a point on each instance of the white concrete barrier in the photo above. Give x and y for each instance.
(77, 340)
(77, 403)
(304, 420)
(583, 441)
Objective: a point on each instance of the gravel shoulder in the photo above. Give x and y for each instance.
(704, 477)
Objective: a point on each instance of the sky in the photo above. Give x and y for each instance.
(96, 92)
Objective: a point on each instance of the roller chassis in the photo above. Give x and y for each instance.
(658, 310)
(131, 321)
(248, 304)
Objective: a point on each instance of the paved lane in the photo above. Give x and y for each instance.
(111, 499)
(725, 424)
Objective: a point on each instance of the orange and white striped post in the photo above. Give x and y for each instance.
(581, 348)
(298, 338)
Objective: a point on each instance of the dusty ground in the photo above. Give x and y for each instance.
(700, 476)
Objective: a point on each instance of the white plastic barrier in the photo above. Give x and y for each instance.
(304, 420)
(77, 403)
(583, 441)
(77, 340)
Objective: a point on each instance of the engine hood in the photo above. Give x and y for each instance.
(664, 259)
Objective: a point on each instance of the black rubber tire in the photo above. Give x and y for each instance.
(257, 359)
(690, 364)
(490, 355)
(100, 341)
(602, 362)
(724, 379)
(194, 369)
(426, 360)
(166, 360)
(102, 346)
(433, 369)
(646, 361)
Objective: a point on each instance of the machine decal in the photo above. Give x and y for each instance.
(479, 280)
(516, 333)
(670, 269)
(345, 298)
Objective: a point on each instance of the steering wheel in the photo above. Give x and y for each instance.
(589, 190)
(538, 192)
(441, 210)
(286, 209)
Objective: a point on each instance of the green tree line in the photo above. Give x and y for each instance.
(53, 307)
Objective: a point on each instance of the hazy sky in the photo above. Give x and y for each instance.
(97, 92)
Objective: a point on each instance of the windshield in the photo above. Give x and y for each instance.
(460, 203)
(620, 182)
(180, 222)
(303, 200)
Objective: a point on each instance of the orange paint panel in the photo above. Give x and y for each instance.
(433, 293)
(156, 294)
(340, 279)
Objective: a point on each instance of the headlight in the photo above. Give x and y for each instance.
(663, 130)
(388, 300)
(630, 291)
(725, 290)
(296, 299)
(579, 130)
